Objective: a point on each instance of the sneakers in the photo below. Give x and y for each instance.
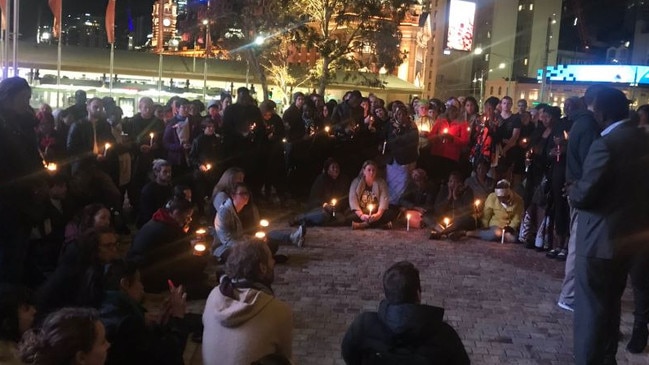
(638, 340)
(566, 306)
(552, 253)
(298, 237)
(562, 255)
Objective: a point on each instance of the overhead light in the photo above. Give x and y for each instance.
(502, 65)
(259, 40)
(478, 50)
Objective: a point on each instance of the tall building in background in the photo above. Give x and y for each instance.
(169, 16)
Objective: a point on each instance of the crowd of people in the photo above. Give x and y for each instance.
(191, 181)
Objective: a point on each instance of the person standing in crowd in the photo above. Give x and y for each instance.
(243, 319)
(585, 130)
(78, 110)
(89, 144)
(402, 331)
(156, 193)
(400, 153)
(449, 137)
(177, 140)
(146, 131)
(239, 120)
(22, 176)
(205, 161)
(507, 134)
(612, 220)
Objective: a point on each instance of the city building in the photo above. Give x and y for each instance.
(164, 23)
(84, 30)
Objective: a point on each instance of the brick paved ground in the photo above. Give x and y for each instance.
(500, 298)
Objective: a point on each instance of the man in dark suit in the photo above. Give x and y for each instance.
(613, 203)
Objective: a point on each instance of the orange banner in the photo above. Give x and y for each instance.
(56, 6)
(110, 21)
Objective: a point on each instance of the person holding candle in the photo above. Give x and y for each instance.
(156, 193)
(401, 153)
(369, 199)
(162, 249)
(229, 229)
(268, 137)
(479, 182)
(205, 160)
(455, 202)
(501, 215)
(419, 198)
(507, 139)
(145, 129)
(449, 136)
(89, 144)
(327, 200)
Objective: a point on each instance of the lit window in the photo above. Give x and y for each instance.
(531, 7)
(520, 7)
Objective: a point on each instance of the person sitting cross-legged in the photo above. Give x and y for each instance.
(243, 320)
(403, 331)
(453, 209)
(229, 230)
(501, 215)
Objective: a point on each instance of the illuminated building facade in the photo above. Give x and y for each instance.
(169, 16)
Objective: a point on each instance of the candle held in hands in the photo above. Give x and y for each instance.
(333, 207)
(370, 208)
(447, 222)
(408, 216)
(264, 223)
(151, 135)
(106, 147)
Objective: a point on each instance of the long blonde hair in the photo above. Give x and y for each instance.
(227, 181)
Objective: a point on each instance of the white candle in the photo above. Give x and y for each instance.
(383, 149)
(333, 204)
(264, 223)
(327, 129)
(502, 237)
(370, 207)
(208, 167)
(151, 140)
(408, 222)
(447, 222)
(106, 147)
(260, 235)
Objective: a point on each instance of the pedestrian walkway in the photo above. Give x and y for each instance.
(501, 299)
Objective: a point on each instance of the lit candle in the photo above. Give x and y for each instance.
(327, 129)
(284, 140)
(502, 236)
(333, 205)
(445, 131)
(370, 207)
(208, 167)
(408, 222)
(565, 135)
(151, 135)
(447, 222)
(476, 205)
(260, 235)
(106, 147)
(468, 129)
(524, 140)
(383, 149)
(200, 232)
(199, 248)
(51, 167)
(264, 223)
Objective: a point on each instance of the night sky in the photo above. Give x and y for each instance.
(604, 19)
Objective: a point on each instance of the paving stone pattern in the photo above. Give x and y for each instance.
(501, 299)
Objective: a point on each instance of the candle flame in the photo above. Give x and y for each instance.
(327, 129)
(447, 221)
(199, 247)
(370, 207)
(477, 203)
(445, 131)
(51, 166)
(334, 201)
(264, 223)
(565, 135)
(208, 167)
(151, 135)
(408, 216)
(201, 231)
(260, 235)
(284, 140)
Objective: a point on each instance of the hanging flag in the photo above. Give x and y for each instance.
(56, 6)
(110, 21)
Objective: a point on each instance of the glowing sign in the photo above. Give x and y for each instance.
(460, 25)
(624, 74)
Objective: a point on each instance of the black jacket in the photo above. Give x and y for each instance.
(402, 144)
(419, 326)
(583, 133)
(131, 341)
(324, 189)
(81, 140)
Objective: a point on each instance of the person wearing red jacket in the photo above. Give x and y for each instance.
(449, 136)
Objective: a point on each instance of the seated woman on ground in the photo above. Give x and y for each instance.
(16, 317)
(95, 216)
(369, 200)
(162, 249)
(454, 209)
(77, 280)
(481, 184)
(229, 229)
(134, 337)
(501, 215)
(419, 198)
(223, 191)
(70, 336)
(328, 198)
